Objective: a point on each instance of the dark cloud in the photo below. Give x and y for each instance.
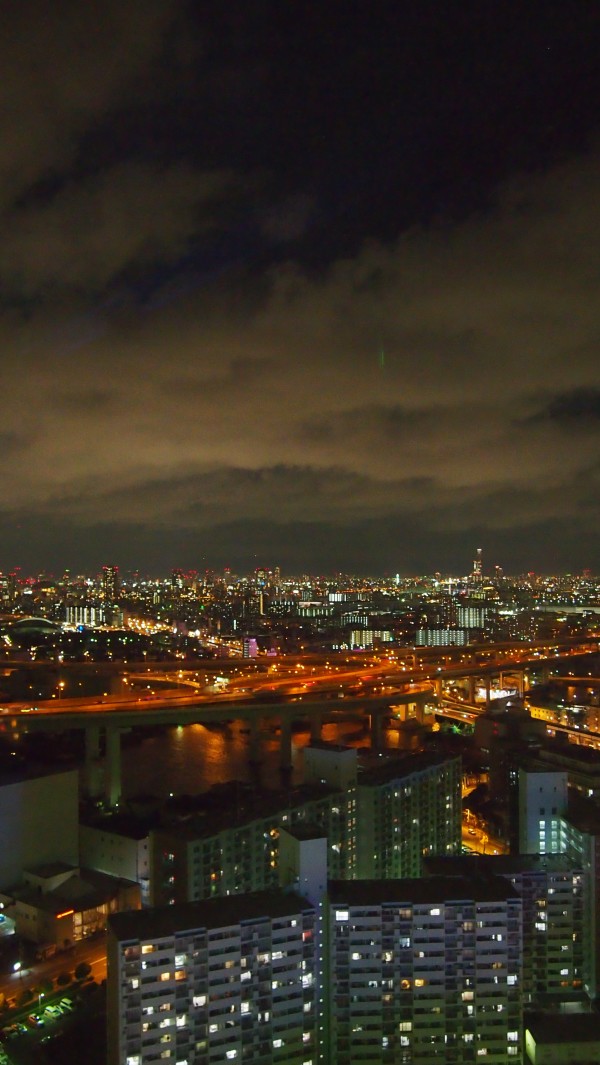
(577, 409)
(190, 356)
(63, 68)
(92, 231)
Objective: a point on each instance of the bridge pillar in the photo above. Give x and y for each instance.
(316, 725)
(92, 785)
(472, 689)
(420, 708)
(488, 689)
(255, 753)
(377, 732)
(285, 745)
(439, 687)
(112, 782)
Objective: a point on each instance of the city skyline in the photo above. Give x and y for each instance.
(310, 286)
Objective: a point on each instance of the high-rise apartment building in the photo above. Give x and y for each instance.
(418, 972)
(381, 827)
(542, 804)
(227, 980)
(406, 810)
(423, 971)
(553, 894)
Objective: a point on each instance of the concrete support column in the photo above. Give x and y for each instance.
(488, 689)
(285, 746)
(92, 784)
(377, 735)
(420, 709)
(316, 725)
(472, 689)
(255, 753)
(439, 687)
(112, 783)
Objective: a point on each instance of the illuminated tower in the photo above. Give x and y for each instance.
(110, 584)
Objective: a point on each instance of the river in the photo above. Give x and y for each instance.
(191, 759)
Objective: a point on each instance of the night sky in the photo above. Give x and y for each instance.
(308, 284)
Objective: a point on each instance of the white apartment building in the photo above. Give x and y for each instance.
(417, 972)
(542, 805)
(226, 980)
(423, 972)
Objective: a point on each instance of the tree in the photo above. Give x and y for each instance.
(47, 986)
(25, 996)
(63, 979)
(82, 970)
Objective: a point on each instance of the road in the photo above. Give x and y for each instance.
(92, 951)
(299, 679)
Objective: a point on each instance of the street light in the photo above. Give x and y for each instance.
(61, 688)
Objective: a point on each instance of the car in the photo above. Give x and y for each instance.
(34, 1021)
(53, 1011)
(66, 1005)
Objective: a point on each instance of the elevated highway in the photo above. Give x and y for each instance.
(284, 691)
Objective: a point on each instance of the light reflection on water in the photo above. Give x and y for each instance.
(191, 759)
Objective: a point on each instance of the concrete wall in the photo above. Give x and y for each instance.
(38, 824)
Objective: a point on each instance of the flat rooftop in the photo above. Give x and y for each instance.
(548, 1028)
(420, 890)
(222, 912)
(229, 808)
(397, 768)
(486, 865)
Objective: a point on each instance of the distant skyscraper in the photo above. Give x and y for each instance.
(478, 566)
(110, 584)
(177, 579)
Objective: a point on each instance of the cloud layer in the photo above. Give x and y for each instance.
(160, 388)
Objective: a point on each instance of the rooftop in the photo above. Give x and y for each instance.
(494, 865)
(564, 1027)
(208, 914)
(396, 768)
(420, 890)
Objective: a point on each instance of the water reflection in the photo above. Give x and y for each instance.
(192, 759)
